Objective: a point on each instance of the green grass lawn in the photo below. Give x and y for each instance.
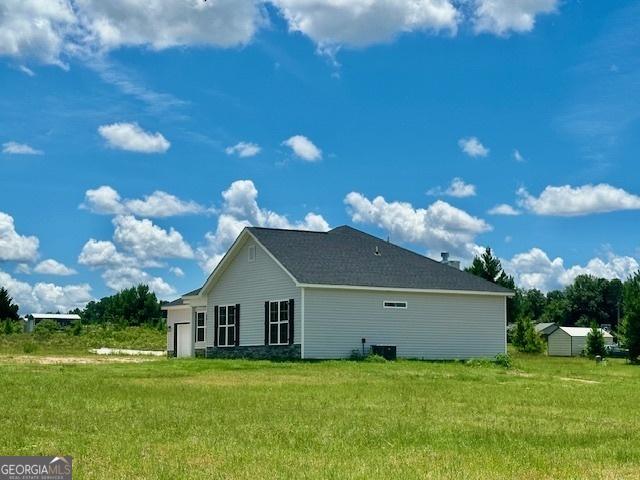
(93, 336)
(544, 418)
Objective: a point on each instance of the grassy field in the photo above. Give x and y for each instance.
(93, 336)
(544, 418)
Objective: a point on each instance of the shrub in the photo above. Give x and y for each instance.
(10, 326)
(45, 328)
(76, 328)
(595, 342)
(29, 347)
(525, 337)
(374, 358)
(503, 360)
(356, 355)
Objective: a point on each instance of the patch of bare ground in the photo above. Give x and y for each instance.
(66, 360)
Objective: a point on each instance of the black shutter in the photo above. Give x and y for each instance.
(194, 322)
(266, 323)
(291, 323)
(237, 324)
(215, 326)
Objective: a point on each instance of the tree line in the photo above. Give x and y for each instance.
(586, 302)
(135, 306)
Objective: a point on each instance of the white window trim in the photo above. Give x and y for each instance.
(279, 322)
(204, 327)
(395, 307)
(226, 327)
(252, 253)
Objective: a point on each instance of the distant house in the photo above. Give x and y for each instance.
(62, 319)
(571, 341)
(545, 328)
(301, 294)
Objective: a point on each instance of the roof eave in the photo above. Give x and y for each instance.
(407, 290)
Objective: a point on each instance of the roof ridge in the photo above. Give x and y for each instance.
(301, 230)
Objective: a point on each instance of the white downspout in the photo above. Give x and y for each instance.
(302, 322)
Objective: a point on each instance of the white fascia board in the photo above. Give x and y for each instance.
(175, 307)
(406, 290)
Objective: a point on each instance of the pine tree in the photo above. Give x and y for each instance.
(489, 267)
(595, 341)
(8, 310)
(525, 337)
(630, 329)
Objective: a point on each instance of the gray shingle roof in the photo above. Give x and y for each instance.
(175, 303)
(192, 292)
(346, 256)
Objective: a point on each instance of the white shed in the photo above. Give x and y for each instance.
(571, 341)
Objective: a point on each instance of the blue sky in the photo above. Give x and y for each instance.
(139, 137)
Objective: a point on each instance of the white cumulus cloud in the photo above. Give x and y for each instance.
(53, 267)
(54, 31)
(162, 24)
(438, 227)
(358, 23)
(501, 17)
(568, 201)
(107, 200)
(48, 30)
(243, 149)
(177, 271)
(144, 239)
(125, 277)
(472, 147)
(458, 188)
(104, 199)
(13, 246)
(504, 209)
(14, 148)
(101, 253)
(45, 297)
(303, 148)
(130, 137)
(534, 269)
(36, 29)
(240, 209)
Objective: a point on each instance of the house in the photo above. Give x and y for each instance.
(544, 329)
(571, 341)
(62, 319)
(301, 294)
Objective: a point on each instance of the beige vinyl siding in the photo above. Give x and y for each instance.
(433, 326)
(251, 284)
(559, 343)
(179, 315)
(580, 343)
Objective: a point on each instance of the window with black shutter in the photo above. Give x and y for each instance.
(201, 321)
(279, 322)
(227, 325)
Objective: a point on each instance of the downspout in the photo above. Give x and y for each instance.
(302, 322)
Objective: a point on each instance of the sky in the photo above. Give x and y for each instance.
(138, 137)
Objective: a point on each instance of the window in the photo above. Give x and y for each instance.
(394, 304)
(227, 326)
(279, 315)
(201, 321)
(252, 253)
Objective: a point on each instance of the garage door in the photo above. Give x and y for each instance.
(183, 340)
